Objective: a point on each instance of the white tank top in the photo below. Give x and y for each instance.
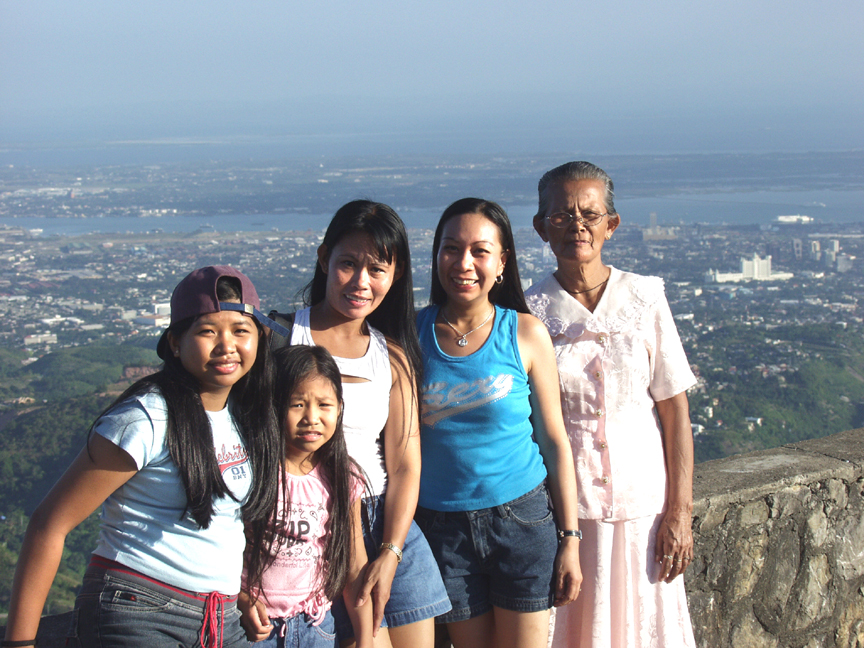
(367, 404)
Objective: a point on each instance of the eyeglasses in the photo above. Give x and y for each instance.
(563, 219)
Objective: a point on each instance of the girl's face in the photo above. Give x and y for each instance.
(218, 350)
(357, 279)
(470, 257)
(311, 419)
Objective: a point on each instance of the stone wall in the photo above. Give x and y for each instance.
(779, 558)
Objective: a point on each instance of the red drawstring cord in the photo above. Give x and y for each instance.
(214, 620)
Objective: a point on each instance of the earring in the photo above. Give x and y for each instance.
(176, 353)
(499, 279)
(608, 236)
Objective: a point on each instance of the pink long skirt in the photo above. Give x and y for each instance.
(622, 603)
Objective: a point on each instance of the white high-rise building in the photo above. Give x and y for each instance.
(754, 269)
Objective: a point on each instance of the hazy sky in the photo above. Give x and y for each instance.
(501, 76)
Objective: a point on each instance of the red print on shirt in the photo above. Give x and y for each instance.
(236, 456)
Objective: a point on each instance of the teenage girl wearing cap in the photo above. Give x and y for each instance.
(176, 463)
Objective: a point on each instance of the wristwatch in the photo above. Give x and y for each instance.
(569, 533)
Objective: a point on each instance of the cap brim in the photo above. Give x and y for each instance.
(162, 349)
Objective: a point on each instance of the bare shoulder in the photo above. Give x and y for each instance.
(531, 328)
(399, 365)
(395, 350)
(535, 345)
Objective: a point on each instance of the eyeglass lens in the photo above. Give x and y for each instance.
(562, 219)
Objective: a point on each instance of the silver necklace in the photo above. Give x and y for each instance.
(460, 336)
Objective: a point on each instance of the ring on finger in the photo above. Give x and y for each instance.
(667, 557)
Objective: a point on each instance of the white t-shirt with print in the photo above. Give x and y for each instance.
(143, 525)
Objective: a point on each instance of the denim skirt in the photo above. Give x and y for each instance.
(417, 593)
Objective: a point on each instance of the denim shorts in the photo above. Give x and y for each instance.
(501, 556)
(124, 610)
(417, 592)
(299, 632)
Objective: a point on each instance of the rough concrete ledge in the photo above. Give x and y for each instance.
(779, 556)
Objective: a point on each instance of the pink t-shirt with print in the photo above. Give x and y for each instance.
(292, 584)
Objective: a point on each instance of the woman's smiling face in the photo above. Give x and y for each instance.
(358, 280)
(218, 350)
(470, 257)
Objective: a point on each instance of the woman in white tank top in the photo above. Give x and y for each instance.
(362, 311)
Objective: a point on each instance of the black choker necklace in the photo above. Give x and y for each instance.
(579, 292)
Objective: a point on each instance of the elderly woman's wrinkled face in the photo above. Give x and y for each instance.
(576, 241)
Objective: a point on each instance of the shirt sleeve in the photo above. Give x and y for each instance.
(137, 426)
(670, 371)
(358, 488)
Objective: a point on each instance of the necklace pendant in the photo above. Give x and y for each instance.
(462, 342)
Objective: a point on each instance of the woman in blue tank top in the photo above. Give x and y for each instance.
(493, 442)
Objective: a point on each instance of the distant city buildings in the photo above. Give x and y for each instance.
(753, 269)
(654, 232)
(41, 338)
(795, 219)
(831, 256)
(159, 318)
(797, 249)
(844, 262)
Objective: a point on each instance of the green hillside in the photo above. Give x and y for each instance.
(48, 406)
(780, 386)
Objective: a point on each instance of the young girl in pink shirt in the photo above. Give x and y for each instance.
(311, 550)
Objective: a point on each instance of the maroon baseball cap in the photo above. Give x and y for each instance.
(196, 295)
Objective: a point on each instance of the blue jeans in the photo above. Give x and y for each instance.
(502, 556)
(119, 610)
(298, 632)
(417, 592)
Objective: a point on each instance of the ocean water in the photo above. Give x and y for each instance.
(745, 189)
(741, 208)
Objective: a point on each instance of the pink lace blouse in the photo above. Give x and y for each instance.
(613, 365)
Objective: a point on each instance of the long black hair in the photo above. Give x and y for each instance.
(395, 316)
(508, 293)
(295, 365)
(190, 439)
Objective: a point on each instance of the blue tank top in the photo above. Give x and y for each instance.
(477, 440)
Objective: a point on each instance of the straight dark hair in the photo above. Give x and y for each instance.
(395, 317)
(295, 365)
(190, 439)
(508, 293)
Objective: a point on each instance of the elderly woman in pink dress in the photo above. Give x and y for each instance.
(623, 376)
